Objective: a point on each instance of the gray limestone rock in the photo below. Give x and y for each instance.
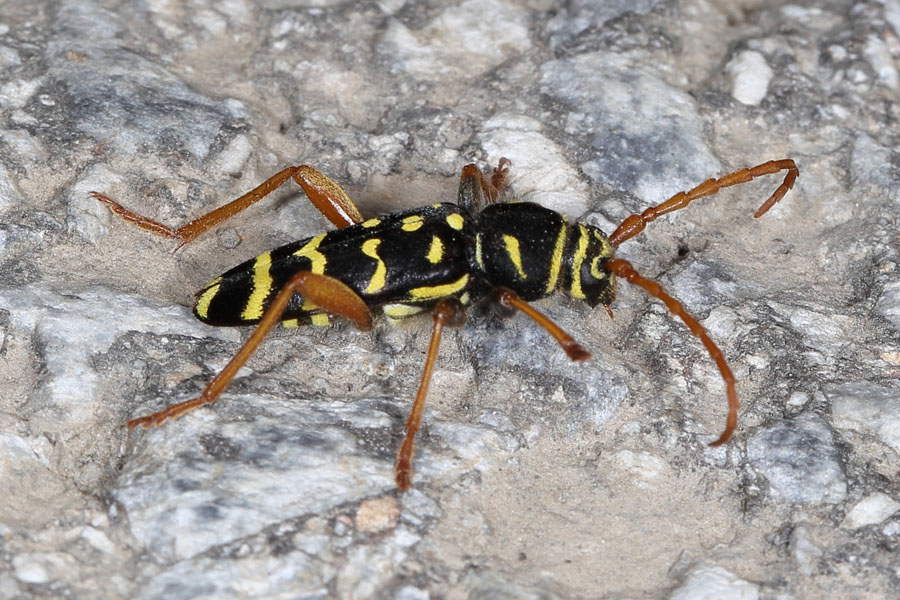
(534, 477)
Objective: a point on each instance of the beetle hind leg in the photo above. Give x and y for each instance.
(326, 195)
(328, 293)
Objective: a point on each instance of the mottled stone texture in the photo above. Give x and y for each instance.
(535, 478)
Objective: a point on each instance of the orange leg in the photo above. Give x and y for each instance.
(476, 191)
(508, 300)
(326, 292)
(622, 268)
(325, 194)
(447, 313)
(634, 224)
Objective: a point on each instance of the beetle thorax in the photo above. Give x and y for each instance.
(534, 251)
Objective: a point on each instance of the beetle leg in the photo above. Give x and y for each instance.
(634, 224)
(506, 300)
(448, 313)
(326, 195)
(475, 191)
(622, 268)
(326, 292)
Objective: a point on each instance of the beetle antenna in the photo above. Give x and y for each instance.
(622, 268)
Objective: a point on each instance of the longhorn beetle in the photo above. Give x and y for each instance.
(441, 259)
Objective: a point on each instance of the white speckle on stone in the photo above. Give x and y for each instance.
(539, 170)
(818, 329)
(212, 22)
(16, 94)
(800, 461)
(798, 399)
(721, 323)
(805, 550)
(476, 447)
(867, 165)
(643, 465)
(42, 567)
(9, 57)
(29, 569)
(868, 408)
(98, 540)
(234, 156)
(750, 77)
(871, 510)
(879, 56)
(892, 15)
(715, 583)
(463, 41)
(411, 593)
(9, 193)
(26, 147)
(889, 302)
(388, 146)
(87, 216)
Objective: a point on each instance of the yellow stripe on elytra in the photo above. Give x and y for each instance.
(512, 251)
(311, 251)
(262, 287)
(431, 292)
(412, 223)
(557, 259)
(577, 259)
(318, 319)
(436, 251)
(399, 311)
(478, 258)
(456, 221)
(202, 306)
(370, 249)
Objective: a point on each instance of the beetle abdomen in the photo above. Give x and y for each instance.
(410, 258)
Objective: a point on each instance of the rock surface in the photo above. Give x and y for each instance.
(534, 477)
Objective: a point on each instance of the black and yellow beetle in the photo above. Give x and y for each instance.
(439, 258)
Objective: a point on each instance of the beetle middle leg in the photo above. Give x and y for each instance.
(326, 292)
(449, 313)
(476, 191)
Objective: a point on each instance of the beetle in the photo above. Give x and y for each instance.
(441, 258)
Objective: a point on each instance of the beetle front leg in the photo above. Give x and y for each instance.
(506, 302)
